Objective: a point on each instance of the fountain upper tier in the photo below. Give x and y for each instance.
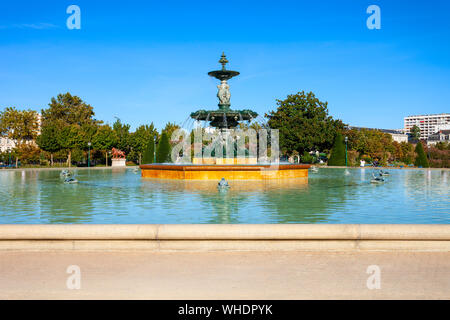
(224, 117)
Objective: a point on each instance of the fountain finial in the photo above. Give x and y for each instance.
(223, 60)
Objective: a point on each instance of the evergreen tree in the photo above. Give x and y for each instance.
(149, 153)
(337, 157)
(421, 158)
(163, 149)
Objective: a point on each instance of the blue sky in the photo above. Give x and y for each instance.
(146, 61)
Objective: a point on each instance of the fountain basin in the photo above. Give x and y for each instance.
(229, 172)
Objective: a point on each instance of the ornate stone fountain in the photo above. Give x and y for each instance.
(224, 117)
(223, 120)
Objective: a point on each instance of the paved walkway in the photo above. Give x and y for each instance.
(224, 275)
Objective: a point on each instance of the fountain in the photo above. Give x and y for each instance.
(224, 117)
(231, 166)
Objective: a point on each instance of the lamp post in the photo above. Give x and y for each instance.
(89, 154)
(346, 139)
(154, 149)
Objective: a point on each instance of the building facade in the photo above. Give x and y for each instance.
(440, 136)
(428, 124)
(6, 144)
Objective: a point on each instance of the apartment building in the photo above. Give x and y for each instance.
(428, 124)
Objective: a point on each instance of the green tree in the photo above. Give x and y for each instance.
(19, 125)
(104, 139)
(163, 149)
(141, 139)
(149, 152)
(122, 131)
(70, 110)
(169, 129)
(337, 157)
(421, 158)
(415, 132)
(303, 123)
(74, 119)
(70, 138)
(48, 140)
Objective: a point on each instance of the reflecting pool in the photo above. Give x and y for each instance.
(122, 196)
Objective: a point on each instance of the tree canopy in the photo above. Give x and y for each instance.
(73, 120)
(141, 140)
(21, 125)
(415, 132)
(303, 123)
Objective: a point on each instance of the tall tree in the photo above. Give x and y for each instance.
(421, 158)
(104, 139)
(303, 123)
(141, 140)
(19, 125)
(48, 140)
(169, 129)
(70, 138)
(122, 131)
(415, 132)
(74, 119)
(70, 110)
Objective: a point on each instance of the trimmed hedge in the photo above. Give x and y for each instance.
(163, 149)
(149, 154)
(337, 157)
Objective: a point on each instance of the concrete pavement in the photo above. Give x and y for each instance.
(224, 275)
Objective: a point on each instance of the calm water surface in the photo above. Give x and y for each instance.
(122, 196)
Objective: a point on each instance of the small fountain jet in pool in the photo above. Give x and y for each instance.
(70, 180)
(224, 117)
(376, 179)
(223, 184)
(68, 177)
(65, 174)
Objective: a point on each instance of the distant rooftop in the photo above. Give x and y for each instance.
(391, 131)
(429, 115)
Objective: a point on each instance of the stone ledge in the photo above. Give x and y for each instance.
(226, 245)
(225, 232)
(264, 237)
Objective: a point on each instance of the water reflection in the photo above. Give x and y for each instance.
(120, 196)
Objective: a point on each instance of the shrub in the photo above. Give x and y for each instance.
(307, 158)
